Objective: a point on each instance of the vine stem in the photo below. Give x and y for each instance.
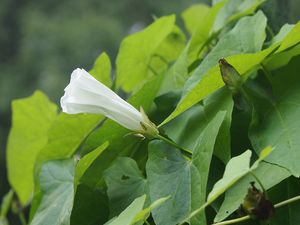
(22, 218)
(186, 152)
(278, 205)
(258, 181)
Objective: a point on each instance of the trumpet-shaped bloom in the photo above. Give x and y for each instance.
(85, 94)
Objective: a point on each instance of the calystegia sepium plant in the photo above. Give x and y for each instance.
(195, 124)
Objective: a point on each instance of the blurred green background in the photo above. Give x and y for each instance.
(41, 42)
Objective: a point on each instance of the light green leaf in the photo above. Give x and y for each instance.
(127, 217)
(212, 80)
(84, 163)
(207, 78)
(278, 125)
(142, 216)
(246, 37)
(193, 15)
(283, 32)
(269, 175)
(282, 58)
(102, 69)
(65, 136)
(31, 120)
(135, 212)
(125, 183)
(167, 52)
(203, 32)
(137, 50)
(292, 38)
(56, 180)
(236, 168)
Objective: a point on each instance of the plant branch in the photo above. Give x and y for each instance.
(278, 205)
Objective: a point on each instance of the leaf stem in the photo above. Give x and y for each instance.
(270, 31)
(185, 151)
(278, 205)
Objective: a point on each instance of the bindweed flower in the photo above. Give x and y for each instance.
(85, 94)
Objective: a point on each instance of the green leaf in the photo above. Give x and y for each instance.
(102, 69)
(246, 37)
(202, 33)
(135, 212)
(65, 136)
(282, 58)
(269, 175)
(142, 216)
(201, 160)
(5, 206)
(236, 168)
(193, 15)
(31, 120)
(207, 79)
(292, 38)
(167, 52)
(56, 180)
(193, 121)
(127, 217)
(170, 174)
(84, 163)
(125, 183)
(137, 50)
(233, 10)
(283, 32)
(278, 124)
(177, 75)
(212, 80)
(121, 144)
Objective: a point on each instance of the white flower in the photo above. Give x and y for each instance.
(85, 94)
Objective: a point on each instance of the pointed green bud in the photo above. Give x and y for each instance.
(230, 76)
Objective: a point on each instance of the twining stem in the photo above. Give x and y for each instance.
(185, 151)
(258, 181)
(22, 218)
(278, 205)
